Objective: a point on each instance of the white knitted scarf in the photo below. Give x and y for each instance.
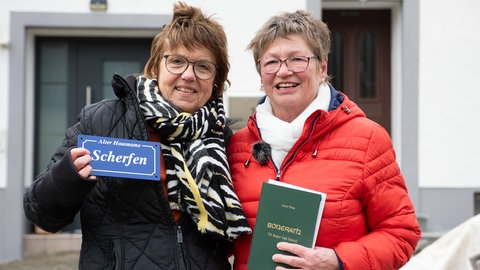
(281, 135)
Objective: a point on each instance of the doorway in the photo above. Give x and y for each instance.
(359, 62)
(71, 72)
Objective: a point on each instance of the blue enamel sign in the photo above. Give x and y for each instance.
(122, 158)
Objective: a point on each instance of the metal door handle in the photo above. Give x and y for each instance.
(88, 95)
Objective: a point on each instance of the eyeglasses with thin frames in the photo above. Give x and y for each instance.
(295, 64)
(177, 64)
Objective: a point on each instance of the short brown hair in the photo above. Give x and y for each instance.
(191, 28)
(301, 22)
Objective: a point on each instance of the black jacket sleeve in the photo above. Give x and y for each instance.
(56, 195)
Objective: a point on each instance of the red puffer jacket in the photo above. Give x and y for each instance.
(369, 219)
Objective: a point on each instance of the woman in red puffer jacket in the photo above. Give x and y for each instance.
(308, 134)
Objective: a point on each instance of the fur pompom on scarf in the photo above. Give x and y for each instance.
(198, 177)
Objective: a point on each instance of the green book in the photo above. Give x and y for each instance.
(286, 213)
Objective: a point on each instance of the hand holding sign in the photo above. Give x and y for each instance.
(81, 160)
(120, 157)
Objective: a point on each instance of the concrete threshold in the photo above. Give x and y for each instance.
(37, 244)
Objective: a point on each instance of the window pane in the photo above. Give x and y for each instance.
(335, 61)
(240, 109)
(477, 203)
(51, 100)
(367, 65)
(122, 68)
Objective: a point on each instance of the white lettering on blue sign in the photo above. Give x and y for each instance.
(126, 160)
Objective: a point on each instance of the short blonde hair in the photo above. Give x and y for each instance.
(301, 22)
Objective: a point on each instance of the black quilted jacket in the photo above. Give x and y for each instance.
(126, 224)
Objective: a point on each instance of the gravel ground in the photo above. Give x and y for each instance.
(60, 261)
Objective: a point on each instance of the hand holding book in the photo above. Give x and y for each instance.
(306, 258)
(286, 213)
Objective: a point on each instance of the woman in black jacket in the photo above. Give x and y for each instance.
(188, 218)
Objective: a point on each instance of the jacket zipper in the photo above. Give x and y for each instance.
(121, 260)
(285, 164)
(179, 234)
(180, 243)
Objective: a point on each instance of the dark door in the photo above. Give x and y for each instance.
(96, 60)
(73, 72)
(360, 59)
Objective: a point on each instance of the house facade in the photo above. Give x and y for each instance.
(421, 56)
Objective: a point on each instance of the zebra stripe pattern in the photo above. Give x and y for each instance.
(198, 176)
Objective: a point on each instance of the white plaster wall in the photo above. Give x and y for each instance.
(449, 114)
(240, 18)
(4, 32)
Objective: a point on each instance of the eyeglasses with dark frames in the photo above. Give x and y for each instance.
(177, 64)
(295, 64)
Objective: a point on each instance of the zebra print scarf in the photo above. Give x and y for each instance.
(198, 177)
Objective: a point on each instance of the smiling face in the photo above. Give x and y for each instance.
(290, 93)
(185, 90)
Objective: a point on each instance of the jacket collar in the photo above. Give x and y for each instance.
(123, 86)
